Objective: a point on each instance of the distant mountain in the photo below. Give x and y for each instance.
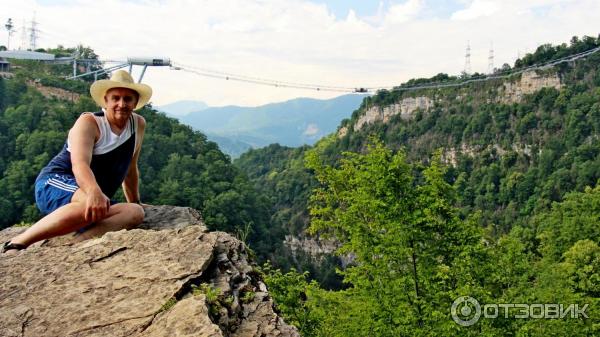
(181, 108)
(233, 147)
(292, 123)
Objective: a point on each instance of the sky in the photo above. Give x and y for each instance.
(351, 43)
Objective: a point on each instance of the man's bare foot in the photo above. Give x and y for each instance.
(10, 248)
(10, 252)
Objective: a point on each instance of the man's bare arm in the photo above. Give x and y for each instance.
(81, 143)
(131, 182)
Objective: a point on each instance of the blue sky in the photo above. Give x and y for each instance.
(366, 8)
(341, 7)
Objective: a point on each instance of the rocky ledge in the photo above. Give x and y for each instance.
(170, 277)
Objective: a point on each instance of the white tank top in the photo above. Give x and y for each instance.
(108, 141)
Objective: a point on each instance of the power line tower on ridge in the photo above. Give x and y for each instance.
(468, 59)
(23, 36)
(33, 33)
(491, 59)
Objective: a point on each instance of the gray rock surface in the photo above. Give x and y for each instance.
(170, 277)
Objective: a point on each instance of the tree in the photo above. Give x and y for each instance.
(413, 254)
(2, 94)
(573, 219)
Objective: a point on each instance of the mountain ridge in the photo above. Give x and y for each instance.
(291, 123)
(183, 107)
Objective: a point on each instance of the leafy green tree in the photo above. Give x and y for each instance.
(2, 93)
(572, 220)
(290, 292)
(413, 253)
(582, 267)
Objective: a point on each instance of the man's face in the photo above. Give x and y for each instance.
(121, 102)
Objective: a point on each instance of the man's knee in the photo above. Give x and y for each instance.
(136, 213)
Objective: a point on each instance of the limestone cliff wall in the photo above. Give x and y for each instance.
(511, 91)
(52, 92)
(450, 155)
(530, 82)
(405, 108)
(315, 247)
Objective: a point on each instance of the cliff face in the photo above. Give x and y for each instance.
(509, 92)
(54, 93)
(316, 248)
(530, 82)
(170, 277)
(406, 108)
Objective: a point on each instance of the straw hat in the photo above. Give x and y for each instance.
(120, 79)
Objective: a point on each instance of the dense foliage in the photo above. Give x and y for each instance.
(547, 52)
(414, 255)
(280, 172)
(280, 176)
(510, 159)
(527, 168)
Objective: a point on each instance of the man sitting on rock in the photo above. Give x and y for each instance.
(101, 153)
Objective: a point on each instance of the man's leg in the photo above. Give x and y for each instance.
(70, 218)
(120, 216)
(63, 220)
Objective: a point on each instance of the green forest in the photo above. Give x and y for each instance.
(504, 223)
(513, 219)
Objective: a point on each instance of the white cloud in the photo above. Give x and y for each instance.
(477, 9)
(401, 13)
(311, 130)
(298, 41)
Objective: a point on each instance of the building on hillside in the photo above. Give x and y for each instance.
(26, 55)
(4, 66)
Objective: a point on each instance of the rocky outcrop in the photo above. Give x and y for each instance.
(406, 108)
(342, 132)
(530, 82)
(170, 277)
(52, 92)
(311, 246)
(316, 248)
(450, 155)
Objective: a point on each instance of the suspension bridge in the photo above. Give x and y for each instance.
(146, 62)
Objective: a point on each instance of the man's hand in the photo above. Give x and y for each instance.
(82, 138)
(96, 206)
